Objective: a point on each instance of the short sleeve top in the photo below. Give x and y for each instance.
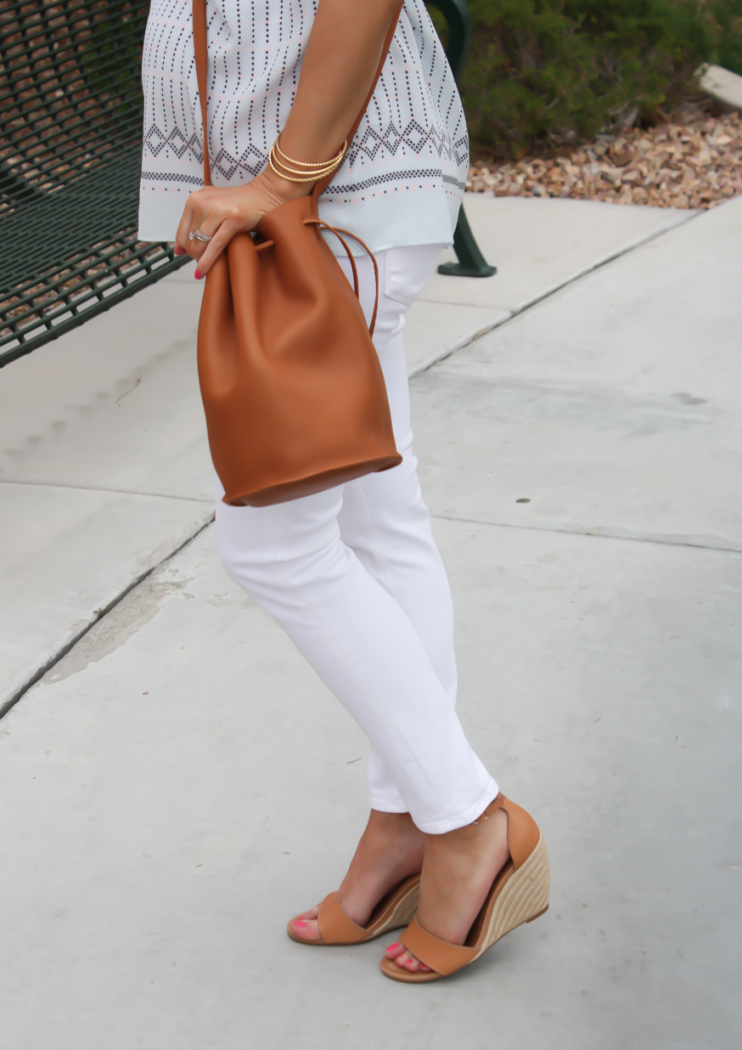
(403, 177)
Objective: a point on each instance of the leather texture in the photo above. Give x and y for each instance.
(523, 832)
(519, 893)
(441, 956)
(336, 927)
(292, 387)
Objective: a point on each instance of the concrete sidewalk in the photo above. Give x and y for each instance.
(104, 468)
(161, 815)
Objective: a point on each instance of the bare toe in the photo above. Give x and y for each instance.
(412, 964)
(407, 961)
(306, 927)
(306, 930)
(394, 950)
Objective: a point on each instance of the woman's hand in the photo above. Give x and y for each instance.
(222, 211)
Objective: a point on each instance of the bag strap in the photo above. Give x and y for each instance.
(200, 47)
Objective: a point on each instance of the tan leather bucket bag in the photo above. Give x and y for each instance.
(293, 391)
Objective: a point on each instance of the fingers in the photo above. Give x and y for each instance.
(207, 254)
(186, 225)
(198, 214)
(198, 249)
(220, 213)
(207, 210)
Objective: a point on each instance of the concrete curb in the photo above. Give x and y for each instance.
(722, 85)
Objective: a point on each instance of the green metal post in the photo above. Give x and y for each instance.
(460, 28)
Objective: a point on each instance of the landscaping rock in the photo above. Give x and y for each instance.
(694, 160)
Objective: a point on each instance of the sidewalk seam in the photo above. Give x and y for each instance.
(518, 310)
(69, 645)
(100, 488)
(601, 532)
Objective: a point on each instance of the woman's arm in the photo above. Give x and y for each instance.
(338, 67)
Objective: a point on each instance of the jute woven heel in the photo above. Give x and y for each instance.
(336, 926)
(519, 894)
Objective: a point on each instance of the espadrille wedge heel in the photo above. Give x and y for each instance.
(519, 894)
(337, 927)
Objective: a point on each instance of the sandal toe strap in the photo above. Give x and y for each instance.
(335, 925)
(439, 955)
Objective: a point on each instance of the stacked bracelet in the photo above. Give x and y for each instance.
(301, 171)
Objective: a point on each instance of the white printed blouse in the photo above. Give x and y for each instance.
(402, 180)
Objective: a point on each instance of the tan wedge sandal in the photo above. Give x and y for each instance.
(520, 893)
(396, 909)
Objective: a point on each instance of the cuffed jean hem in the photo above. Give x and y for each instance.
(382, 806)
(440, 827)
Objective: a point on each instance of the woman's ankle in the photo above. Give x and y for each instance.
(471, 840)
(391, 849)
(392, 821)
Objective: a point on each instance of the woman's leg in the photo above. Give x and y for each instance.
(291, 559)
(363, 620)
(383, 517)
(386, 522)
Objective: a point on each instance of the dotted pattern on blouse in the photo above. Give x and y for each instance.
(414, 127)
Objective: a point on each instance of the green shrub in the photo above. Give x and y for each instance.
(727, 51)
(557, 71)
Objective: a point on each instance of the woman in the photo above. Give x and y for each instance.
(352, 574)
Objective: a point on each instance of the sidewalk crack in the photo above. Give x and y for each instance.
(102, 488)
(670, 539)
(519, 310)
(96, 618)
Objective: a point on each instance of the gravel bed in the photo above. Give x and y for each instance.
(692, 161)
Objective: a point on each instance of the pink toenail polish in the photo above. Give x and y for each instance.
(392, 947)
(299, 922)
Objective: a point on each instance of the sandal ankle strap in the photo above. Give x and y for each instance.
(523, 831)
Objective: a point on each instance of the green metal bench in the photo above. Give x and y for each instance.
(70, 150)
(460, 28)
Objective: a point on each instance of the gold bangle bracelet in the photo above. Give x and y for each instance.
(294, 175)
(330, 166)
(303, 174)
(314, 177)
(305, 164)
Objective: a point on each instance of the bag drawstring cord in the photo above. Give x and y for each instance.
(338, 233)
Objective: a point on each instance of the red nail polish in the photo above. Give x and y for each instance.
(392, 947)
(198, 275)
(299, 922)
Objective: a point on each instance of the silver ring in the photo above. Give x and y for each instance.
(196, 235)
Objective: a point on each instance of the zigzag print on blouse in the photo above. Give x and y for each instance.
(254, 160)
(255, 54)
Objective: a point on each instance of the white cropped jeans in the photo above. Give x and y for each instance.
(355, 579)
